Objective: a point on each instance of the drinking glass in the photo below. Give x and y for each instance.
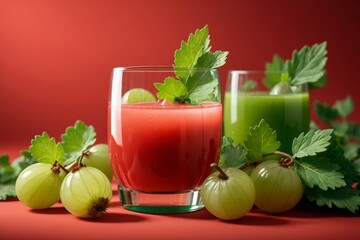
(160, 151)
(247, 100)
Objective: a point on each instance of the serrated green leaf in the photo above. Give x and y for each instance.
(344, 107)
(313, 142)
(343, 198)
(308, 64)
(340, 128)
(76, 140)
(273, 71)
(7, 191)
(201, 84)
(72, 157)
(10, 171)
(335, 154)
(261, 140)
(319, 172)
(202, 91)
(319, 83)
(325, 112)
(192, 63)
(231, 156)
(171, 89)
(212, 60)
(22, 162)
(46, 150)
(190, 51)
(225, 142)
(351, 150)
(6, 170)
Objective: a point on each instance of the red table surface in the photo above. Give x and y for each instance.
(304, 222)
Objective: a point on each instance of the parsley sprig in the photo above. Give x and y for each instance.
(192, 83)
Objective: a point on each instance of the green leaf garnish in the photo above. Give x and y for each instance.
(7, 191)
(76, 140)
(325, 112)
(344, 107)
(305, 66)
(308, 64)
(46, 150)
(212, 60)
(201, 88)
(273, 71)
(328, 177)
(231, 156)
(351, 150)
(335, 154)
(6, 170)
(313, 142)
(171, 89)
(344, 151)
(10, 171)
(261, 140)
(319, 172)
(319, 83)
(189, 53)
(194, 85)
(344, 198)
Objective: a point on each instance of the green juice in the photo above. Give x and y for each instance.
(288, 114)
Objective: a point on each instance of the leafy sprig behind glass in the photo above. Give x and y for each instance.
(346, 132)
(306, 66)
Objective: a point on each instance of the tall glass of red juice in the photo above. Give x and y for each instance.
(160, 151)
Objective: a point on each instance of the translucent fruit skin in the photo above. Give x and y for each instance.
(228, 199)
(83, 188)
(278, 189)
(137, 95)
(38, 187)
(99, 158)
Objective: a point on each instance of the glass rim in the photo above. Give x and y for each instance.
(160, 68)
(234, 71)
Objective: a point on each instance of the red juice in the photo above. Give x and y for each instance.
(164, 148)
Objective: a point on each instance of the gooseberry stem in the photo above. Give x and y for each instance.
(55, 167)
(84, 153)
(286, 160)
(249, 164)
(222, 174)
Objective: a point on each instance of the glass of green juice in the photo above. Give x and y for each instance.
(249, 97)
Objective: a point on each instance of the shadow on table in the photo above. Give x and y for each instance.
(250, 219)
(116, 218)
(314, 211)
(55, 210)
(259, 220)
(258, 217)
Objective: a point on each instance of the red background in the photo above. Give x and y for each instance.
(56, 57)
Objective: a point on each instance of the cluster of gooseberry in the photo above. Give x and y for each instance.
(273, 187)
(84, 189)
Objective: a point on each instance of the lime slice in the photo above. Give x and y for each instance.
(138, 95)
